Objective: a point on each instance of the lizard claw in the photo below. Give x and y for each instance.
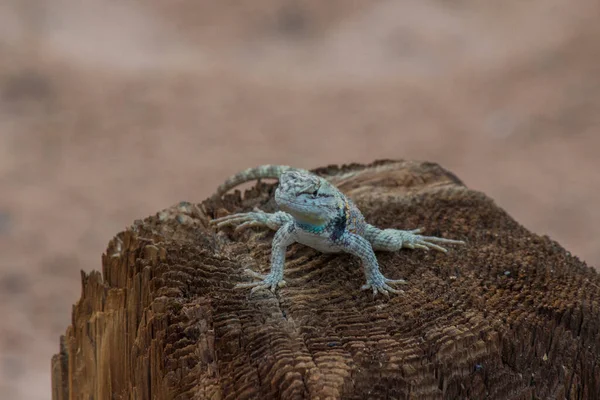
(268, 281)
(243, 220)
(415, 241)
(379, 284)
(395, 239)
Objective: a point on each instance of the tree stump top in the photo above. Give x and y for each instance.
(509, 315)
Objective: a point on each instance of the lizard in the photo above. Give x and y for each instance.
(317, 214)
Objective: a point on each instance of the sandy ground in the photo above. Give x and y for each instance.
(110, 111)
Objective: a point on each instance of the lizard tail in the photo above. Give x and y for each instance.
(264, 171)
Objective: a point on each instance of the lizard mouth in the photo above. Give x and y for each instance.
(302, 213)
(292, 207)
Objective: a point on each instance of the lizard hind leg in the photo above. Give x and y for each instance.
(395, 239)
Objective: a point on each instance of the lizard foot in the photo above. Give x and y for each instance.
(412, 240)
(268, 281)
(245, 220)
(379, 284)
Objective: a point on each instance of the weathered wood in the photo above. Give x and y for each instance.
(511, 315)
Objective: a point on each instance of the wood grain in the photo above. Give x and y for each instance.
(511, 315)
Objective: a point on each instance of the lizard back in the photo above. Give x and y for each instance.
(269, 171)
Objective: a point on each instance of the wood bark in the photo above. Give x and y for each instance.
(510, 315)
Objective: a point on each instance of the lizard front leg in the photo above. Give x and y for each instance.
(284, 236)
(395, 239)
(360, 247)
(252, 219)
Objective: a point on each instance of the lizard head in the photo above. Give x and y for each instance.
(308, 198)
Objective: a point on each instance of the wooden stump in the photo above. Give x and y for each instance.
(511, 315)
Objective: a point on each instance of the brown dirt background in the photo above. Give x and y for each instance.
(110, 111)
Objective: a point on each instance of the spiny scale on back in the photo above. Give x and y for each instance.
(315, 213)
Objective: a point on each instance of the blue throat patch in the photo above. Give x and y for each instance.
(311, 228)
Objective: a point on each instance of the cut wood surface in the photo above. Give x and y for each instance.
(509, 315)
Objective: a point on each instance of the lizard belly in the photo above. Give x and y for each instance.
(317, 242)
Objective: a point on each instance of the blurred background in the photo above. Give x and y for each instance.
(113, 110)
